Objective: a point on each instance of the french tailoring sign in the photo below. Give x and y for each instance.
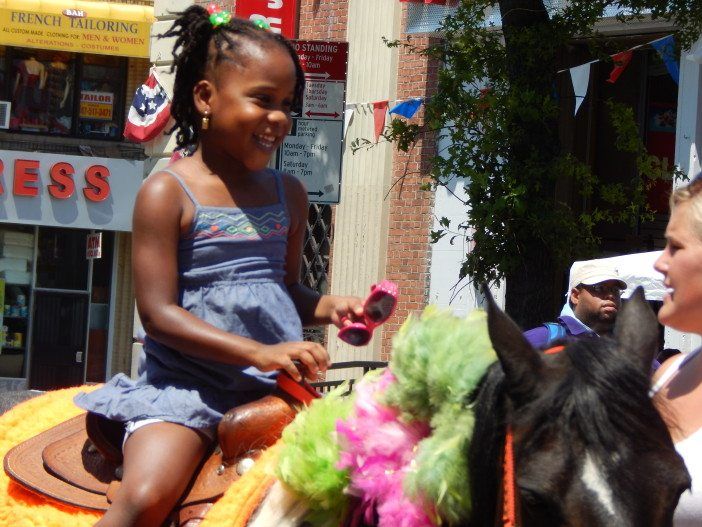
(68, 31)
(281, 15)
(68, 191)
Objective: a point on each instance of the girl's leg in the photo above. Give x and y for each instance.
(159, 461)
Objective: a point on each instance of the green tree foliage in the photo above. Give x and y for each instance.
(496, 103)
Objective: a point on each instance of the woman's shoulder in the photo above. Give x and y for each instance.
(680, 370)
(665, 366)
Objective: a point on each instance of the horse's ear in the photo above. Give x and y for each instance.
(636, 330)
(520, 362)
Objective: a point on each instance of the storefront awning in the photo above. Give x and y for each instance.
(77, 26)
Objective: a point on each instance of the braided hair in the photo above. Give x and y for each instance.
(198, 46)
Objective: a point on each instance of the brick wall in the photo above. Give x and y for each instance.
(323, 19)
(411, 209)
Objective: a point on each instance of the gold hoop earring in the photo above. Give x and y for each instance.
(205, 121)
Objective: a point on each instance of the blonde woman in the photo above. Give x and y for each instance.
(678, 382)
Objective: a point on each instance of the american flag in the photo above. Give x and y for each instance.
(149, 112)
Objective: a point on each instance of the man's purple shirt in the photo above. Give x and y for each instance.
(539, 336)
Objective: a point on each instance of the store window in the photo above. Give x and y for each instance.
(16, 256)
(67, 94)
(101, 97)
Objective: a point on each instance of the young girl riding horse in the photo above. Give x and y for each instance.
(217, 242)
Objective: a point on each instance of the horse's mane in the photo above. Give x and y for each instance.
(602, 399)
(486, 446)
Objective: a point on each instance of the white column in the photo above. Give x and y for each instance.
(361, 223)
(688, 143)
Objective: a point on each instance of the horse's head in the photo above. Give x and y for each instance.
(589, 447)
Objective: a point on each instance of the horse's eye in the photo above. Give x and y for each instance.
(533, 497)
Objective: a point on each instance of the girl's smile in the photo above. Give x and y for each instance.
(267, 142)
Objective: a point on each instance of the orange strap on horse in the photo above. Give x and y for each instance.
(300, 391)
(554, 350)
(509, 484)
(509, 491)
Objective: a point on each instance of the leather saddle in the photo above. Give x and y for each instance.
(78, 462)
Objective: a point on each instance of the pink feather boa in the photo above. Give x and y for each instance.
(379, 450)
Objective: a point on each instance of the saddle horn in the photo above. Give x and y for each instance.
(520, 362)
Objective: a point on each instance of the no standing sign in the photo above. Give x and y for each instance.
(312, 151)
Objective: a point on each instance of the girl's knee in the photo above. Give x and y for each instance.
(146, 497)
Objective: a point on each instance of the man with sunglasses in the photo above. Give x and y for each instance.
(593, 301)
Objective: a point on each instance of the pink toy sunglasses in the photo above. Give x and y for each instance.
(377, 308)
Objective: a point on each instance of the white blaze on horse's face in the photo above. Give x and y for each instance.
(594, 480)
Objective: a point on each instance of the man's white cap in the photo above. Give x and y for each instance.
(591, 273)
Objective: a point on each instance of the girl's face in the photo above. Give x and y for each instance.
(681, 265)
(250, 105)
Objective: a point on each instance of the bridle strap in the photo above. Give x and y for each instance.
(509, 484)
(554, 350)
(509, 490)
(300, 391)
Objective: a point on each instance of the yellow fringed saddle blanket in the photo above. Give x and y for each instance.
(19, 506)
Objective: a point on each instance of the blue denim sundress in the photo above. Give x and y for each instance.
(231, 267)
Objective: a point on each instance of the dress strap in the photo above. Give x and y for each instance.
(183, 185)
(674, 368)
(280, 188)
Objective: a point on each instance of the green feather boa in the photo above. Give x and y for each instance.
(310, 454)
(438, 361)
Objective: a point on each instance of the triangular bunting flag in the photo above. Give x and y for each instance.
(621, 61)
(407, 108)
(149, 112)
(666, 50)
(380, 109)
(348, 118)
(580, 76)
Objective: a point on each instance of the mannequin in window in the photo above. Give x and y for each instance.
(29, 83)
(58, 85)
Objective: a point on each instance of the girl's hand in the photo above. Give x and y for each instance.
(345, 310)
(297, 358)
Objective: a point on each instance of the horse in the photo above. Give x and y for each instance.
(562, 438)
(588, 446)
